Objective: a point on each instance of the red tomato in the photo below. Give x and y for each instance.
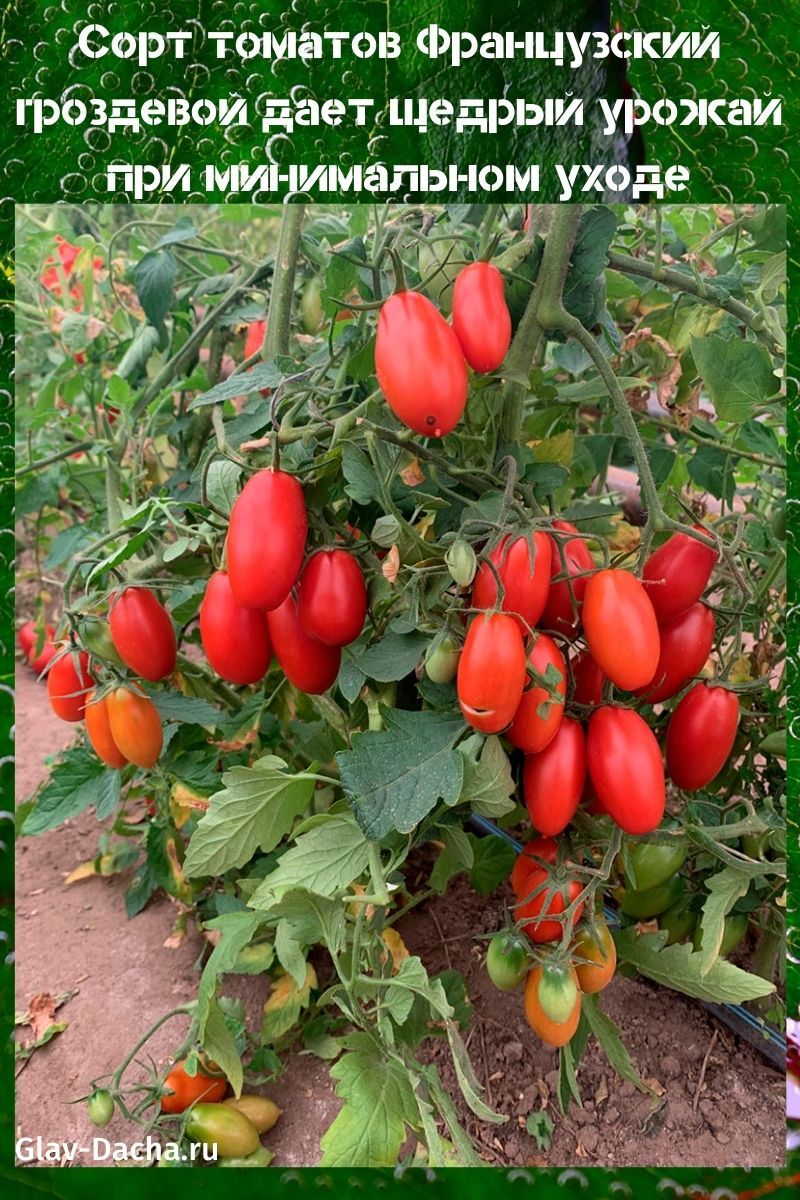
(621, 628)
(559, 613)
(26, 637)
(531, 910)
(530, 731)
(419, 364)
(135, 726)
(625, 768)
(553, 779)
(587, 678)
(308, 665)
(142, 633)
(332, 598)
(700, 735)
(185, 1090)
(266, 539)
(235, 639)
(481, 319)
(98, 731)
(491, 672)
(677, 573)
(525, 581)
(256, 332)
(685, 645)
(529, 859)
(38, 662)
(68, 683)
(255, 337)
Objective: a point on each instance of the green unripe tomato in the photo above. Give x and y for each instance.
(219, 1125)
(259, 1158)
(95, 635)
(557, 992)
(311, 305)
(100, 1106)
(733, 932)
(653, 864)
(441, 658)
(507, 961)
(652, 902)
(679, 922)
(778, 521)
(461, 562)
(774, 744)
(438, 270)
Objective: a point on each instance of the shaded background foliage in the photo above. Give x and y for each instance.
(758, 54)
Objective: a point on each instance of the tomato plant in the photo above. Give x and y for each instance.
(329, 581)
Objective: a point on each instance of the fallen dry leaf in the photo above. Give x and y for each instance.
(390, 567)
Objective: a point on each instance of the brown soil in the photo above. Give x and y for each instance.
(78, 937)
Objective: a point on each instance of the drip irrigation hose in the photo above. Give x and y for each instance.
(759, 1033)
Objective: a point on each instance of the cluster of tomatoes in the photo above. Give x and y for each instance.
(421, 361)
(122, 724)
(37, 648)
(233, 1125)
(270, 601)
(647, 637)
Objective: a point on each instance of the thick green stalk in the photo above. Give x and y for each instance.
(543, 307)
(279, 315)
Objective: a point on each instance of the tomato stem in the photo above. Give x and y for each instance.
(279, 314)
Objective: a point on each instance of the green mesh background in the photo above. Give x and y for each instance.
(759, 58)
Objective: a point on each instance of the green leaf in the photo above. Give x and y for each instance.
(713, 471)
(183, 231)
(256, 809)
(470, 1087)
(393, 657)
(608, 1036)
(540, 1127)
(222, 484)
(77, 781)
(494, 859)
(679, 967)
(738, 374)
(325, 860)
(220, 1045)
(361, 482)
(236, 930)
(174, 706)
(379, 1106)
(303, 920)
(261, 376)
(341, 275)
(488, 783)
(394, 777)
(725, 888)
(154, 280)
(456, 857)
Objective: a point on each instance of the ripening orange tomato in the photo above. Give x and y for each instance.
(98, 731)
(135, 726)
